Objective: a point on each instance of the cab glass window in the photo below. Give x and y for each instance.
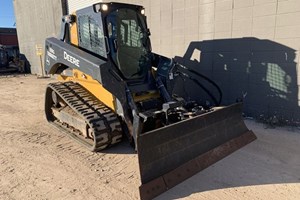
(91, 36)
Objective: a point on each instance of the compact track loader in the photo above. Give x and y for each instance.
(111, 84)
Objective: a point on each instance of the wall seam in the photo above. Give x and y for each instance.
(276, 15)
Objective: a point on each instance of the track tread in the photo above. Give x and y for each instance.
(105, 125)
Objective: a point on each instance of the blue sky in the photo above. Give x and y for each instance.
(7, 17)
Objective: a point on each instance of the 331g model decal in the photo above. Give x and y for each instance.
(51, 54)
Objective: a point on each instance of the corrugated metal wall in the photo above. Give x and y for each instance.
(74, 5)
(79, 4)
(8, 36)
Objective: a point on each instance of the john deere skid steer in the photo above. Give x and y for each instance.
(111, 84)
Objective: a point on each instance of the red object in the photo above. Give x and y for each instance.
(8, 37)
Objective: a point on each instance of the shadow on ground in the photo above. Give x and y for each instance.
(121, 148)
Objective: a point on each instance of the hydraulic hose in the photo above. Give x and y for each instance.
(217, 102)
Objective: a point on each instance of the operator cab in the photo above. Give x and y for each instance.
(119, 33)
(128, 41)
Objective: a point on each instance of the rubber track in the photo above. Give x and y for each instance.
(105, 125)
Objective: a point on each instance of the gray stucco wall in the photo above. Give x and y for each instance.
(36, 20)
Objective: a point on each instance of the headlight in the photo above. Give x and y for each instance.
(104, 7)
(143, 11)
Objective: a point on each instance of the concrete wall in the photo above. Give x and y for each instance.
(36, 20)
(248, 47)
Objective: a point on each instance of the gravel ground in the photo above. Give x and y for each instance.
(38, 162)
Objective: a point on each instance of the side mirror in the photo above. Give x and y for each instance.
(148, 32)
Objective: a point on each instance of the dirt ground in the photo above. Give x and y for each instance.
(38, 162)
